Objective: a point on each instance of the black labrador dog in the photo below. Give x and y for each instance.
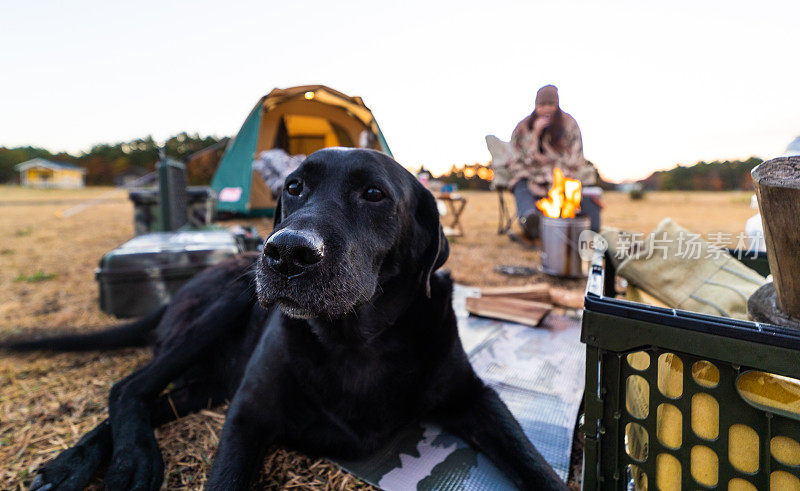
(334, 338)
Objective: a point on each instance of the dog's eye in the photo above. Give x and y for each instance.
(373, 194)
(294, 188)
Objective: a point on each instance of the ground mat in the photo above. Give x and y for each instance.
(538, 372)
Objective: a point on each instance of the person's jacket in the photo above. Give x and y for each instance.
(535, 159)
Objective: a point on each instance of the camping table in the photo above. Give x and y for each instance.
(455, 206)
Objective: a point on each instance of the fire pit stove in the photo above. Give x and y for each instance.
(560, 246)
(560, 228)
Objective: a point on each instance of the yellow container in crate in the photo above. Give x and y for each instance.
(765, 390)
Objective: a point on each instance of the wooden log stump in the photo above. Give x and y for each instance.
(763, 307)
(777, 185)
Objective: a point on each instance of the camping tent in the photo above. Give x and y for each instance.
(300, 120)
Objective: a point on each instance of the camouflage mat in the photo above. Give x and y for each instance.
(539, 373)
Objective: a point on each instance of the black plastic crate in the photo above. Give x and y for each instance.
(626, 399)
(755, 260)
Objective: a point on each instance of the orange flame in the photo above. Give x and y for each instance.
(564, 198)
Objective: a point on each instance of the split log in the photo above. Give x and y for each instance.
(777, 185)
(509, 309)
(539, 292)
(572, 299)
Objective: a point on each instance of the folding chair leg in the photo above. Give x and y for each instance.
(505, 220)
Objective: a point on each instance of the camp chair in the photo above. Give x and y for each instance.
(502, 152)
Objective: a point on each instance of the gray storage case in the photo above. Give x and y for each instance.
(143, 273)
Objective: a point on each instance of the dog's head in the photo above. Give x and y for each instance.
(349, 221)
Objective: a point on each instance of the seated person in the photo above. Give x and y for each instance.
(547, 139)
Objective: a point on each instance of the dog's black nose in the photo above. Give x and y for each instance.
(290, 252)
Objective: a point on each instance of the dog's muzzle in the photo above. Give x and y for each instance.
(306, 279)
(293, 252)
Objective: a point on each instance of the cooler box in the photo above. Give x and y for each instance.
(143, 273)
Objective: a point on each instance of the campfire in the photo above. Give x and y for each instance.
(564, 198)
(561, 226)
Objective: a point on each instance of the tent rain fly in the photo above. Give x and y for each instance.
(299, 120)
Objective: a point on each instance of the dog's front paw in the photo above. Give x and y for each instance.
(75, 466)
(68, 471)
(41, 484)
(136, 468)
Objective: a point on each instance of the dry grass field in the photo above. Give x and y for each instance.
(47, 282)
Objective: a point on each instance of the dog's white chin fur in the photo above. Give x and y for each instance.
(295, 311)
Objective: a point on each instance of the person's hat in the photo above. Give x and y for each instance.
(547, 95)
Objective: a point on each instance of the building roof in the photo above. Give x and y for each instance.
(48, 164)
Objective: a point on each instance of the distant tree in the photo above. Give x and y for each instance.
(471, 176)
(183, 144)
(704, 176)
(104, 160)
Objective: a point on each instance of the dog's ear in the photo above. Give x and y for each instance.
(437, 249)
(276, 215)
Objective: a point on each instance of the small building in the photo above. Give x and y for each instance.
(43, 173)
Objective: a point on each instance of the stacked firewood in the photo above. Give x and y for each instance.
(527, 304)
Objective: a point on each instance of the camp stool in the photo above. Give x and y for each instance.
(455, 206)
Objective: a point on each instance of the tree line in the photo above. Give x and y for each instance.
(103, 162)
(728, 175)
(479, 176)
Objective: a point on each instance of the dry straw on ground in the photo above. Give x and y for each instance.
(47, 282)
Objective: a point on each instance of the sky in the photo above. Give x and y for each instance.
(650, 85)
